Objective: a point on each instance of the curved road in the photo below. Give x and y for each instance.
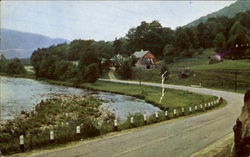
(176, 138)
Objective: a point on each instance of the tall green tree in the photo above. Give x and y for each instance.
(149, 36)
(125, 70)
(117, 46)
(220, 42)
(15, 66)
(182, 40)
(92, 73)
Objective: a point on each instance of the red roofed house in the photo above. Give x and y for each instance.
(145, 59)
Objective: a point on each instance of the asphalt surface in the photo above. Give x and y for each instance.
(176, 138)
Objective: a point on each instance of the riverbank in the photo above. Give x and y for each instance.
(61, 114)
(65, 131)
(173, 99)
(28, 75)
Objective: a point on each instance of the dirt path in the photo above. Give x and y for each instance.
(176, 138)
(111, 74)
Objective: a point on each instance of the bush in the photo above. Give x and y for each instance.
(125, 70)
(15, 66)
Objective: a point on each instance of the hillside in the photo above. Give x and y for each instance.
(22, 44)
(220, 75)
(230, 11)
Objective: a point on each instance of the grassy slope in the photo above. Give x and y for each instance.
(218, 75)
(200, 62)
(172, 99)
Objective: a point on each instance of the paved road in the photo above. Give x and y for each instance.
(177, 138)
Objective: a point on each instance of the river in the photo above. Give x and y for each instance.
(20, 94)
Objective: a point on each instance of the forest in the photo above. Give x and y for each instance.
(221, 33)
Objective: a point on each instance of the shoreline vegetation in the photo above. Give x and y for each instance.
(63, 114)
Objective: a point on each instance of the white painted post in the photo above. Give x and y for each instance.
(201, 106)
(205, 105)
(182, 110)
(51, 135)
(115, 122)
(21, 139)
(190, 109)
(166, 113)
(195, 108)
(175, 112)
(145, 117)
(115, 125)
(78, 130)
(209, 104)
(132, 120)
(156, 115)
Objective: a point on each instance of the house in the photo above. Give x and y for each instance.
(145, 59)
(117, 60)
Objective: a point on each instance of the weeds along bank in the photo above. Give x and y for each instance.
(61, 115)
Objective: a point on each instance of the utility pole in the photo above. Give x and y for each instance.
(140, 77)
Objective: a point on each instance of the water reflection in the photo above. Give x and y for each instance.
(17, 94)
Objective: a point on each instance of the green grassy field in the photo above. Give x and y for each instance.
(220, 75)
(173, 99)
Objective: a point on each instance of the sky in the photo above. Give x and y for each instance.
(99, 20)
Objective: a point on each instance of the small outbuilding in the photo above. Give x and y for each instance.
(215, 59)
(145, 59)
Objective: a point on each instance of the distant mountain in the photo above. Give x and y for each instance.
(230, 11)
(22, 44)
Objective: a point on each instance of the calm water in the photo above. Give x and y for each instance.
(18, 94)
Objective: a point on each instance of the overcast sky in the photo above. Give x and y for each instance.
(100, 20)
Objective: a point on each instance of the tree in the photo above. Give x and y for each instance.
(149, 36)
(237, 36)
(117, 46)
(203, 35)
(88, 57)
(78, 47)
(219, 42)
(46, 68)
(64, 70)
(169, 50)
(192, 34)
(182, 40)
(125, 70)
(14, 66)
(92, 73)
(3, 64)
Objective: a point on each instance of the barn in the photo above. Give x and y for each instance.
(145, 59)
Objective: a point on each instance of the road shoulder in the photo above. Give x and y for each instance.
(220, 148)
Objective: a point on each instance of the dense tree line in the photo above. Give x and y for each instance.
(221, 33)
(12, 66)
